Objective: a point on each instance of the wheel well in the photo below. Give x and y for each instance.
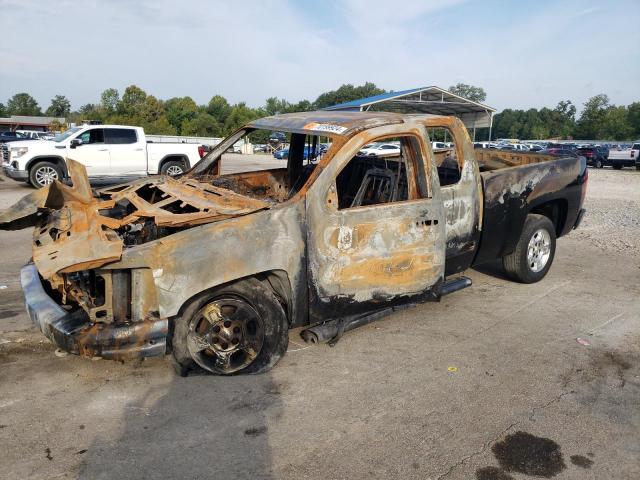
(276, 280)
(171, 158)
(554, 210)
(56, 160)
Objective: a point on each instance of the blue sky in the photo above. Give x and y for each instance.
(523, 53)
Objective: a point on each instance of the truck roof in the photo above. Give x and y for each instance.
(329, 123)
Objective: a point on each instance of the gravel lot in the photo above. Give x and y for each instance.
(490, 383)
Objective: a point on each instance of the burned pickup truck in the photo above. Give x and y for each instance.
(215, 269)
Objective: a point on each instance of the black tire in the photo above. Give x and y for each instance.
(41, 171)
(599, 163)
(638, 167)
(517, 265)
(171, 167)
(617, 166)
(252, 294)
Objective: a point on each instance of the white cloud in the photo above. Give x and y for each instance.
(523, 56)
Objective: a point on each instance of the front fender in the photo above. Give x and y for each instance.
(201, 258)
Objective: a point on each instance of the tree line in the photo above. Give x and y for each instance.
(178, 115)
(599, 119)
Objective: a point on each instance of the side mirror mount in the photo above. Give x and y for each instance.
(76, 142)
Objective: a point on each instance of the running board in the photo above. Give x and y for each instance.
(454, 285)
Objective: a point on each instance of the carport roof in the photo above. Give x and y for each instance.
(433, 100)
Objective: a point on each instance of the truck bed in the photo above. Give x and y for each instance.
(516, 184)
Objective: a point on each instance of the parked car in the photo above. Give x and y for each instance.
(380, 150)
(561, 149)
(485, 145)
(36, 135)
(283, 154)
(11, 137)
(219, 269)
(107, 152)
(596, 156)
(624, 157)
(277, 138)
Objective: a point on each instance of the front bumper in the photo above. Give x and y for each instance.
(75, 334)
(14, 173)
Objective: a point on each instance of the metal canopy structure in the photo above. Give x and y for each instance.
(430, 100)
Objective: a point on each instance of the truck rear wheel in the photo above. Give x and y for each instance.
(239, 328)
(173, 168)
(44, 173)
(533, 255)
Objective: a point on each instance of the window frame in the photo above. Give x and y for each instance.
(459, 154)
(412, 170)
(106, 136)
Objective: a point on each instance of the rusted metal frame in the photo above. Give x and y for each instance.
(361, 289)
(74, 333)
(463, 200)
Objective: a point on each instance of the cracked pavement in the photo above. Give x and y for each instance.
(383, 403)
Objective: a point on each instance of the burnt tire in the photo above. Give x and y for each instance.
(173, 168)
(44, 173)
(198, 348)
(532, 258)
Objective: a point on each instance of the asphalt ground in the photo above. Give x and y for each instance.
(497, 381)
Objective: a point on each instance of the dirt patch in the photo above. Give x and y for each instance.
(525, 453)
(581, 461)
(8, 313)
(492, 473)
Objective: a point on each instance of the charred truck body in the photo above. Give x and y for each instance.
(216, 269)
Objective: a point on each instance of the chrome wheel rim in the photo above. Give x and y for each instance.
(226, 335)
(539, 250)
(46, 175)
(174, 170)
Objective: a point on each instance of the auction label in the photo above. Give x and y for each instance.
(325, 127)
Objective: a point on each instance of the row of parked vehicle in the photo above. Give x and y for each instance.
(10, 136)
(598, 156)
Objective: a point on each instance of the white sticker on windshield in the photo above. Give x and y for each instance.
(325, 127)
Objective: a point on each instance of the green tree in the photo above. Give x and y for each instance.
(616, 124)
(132, 101)
(347, 93)
(274, 106)
(60, 106)
(151, 109)
(219, 108)
(161, 126)
(23, 104)
(239, 115)
(475, 94)
(633, 117)
(109, 100)
(3, 110)
(591, 122)
(90, 111)
(179, 110)
(202, 125)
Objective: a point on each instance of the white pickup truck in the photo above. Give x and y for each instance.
(624, 157)
(112, 152)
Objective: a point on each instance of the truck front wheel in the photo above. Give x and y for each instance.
(173, 168)
(239, 328)
(533, 255)
(44, 173)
